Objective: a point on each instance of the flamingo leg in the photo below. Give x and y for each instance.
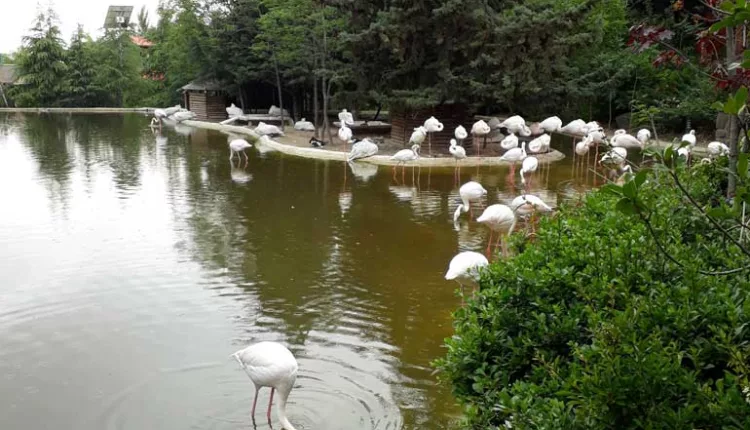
(394, 172)
(403, 169)
(268, 412)
(255, 402)
(505, 249)
(429, 143)
(231, 155)
(489, 244)
(484, 145)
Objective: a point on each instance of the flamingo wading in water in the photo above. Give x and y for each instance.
(270, 364)
(470, 192)
(499, 218)
(465, 267)
(459, 153)
(238, 146)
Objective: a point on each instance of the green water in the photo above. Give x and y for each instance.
(134, 263)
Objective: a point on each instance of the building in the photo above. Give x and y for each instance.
(206, 99)
(8, 78)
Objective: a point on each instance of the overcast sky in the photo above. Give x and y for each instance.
(17, 16)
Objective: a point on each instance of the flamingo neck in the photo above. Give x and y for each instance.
(458, 212)
(281, 406)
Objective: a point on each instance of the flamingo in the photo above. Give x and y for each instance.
(627, 141)
(459, 153)
(183, 116)
(471, 191)
(540, 144)
(577, 126)
(510, 142)
(528, 165)
(418, 135)
(403, 156)
(526, 204)
(346, 118)
(345, 133)
(514, 124)
(616, 157)
(238, 146)
(499, 218)
(689, 138)
(591, 126)
(514, 155)
(685, 151)
(597, 136)
(643, 136)
(159, 115)
(466, 266)
(270, 364)
(627, 172)
(304, 125)
(234, 111)
(362, 149)
(480, 128)
(432, 125)
(717, 149)
(551, 124)
(460, 134)
(172, 110)
(268, 129)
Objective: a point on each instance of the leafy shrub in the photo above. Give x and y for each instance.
(592, 327)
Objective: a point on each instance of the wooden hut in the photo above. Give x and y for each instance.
(206, 99)
(403, 122)
(8, 78)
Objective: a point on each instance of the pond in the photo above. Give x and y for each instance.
(134, 264)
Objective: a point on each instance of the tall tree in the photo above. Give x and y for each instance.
(143, 26)
(42, 64)
(81, 68)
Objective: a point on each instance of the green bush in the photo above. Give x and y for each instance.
(592, 327)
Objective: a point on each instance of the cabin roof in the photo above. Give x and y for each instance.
(141, 41)
(8, 74)
(203, 85)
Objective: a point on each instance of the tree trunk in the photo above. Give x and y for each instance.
(380, 106)
(278, 87)
(733, 125)
(316, 106)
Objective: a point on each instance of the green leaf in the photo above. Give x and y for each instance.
(626, 206)
(640, 177)
(668, 154)
(727, 6)
(630, 190)
(740, 97)
(612, 189)
(742, 162)
(717, 26)
(719, 105)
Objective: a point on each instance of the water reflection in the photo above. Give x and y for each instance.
(167, 258)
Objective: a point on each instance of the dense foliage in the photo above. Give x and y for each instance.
(538, 57)
(611, 322)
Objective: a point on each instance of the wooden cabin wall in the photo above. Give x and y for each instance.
(404, 121)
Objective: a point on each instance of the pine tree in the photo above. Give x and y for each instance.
(81, 66)
(42, 64)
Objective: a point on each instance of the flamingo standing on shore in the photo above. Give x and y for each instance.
(403, 156)
(480, 128)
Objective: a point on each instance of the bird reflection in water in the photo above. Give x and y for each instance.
(239, 174)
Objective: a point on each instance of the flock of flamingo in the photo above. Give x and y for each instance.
(270, 364)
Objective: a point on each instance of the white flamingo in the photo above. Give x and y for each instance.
(182, 116)
(345, 133)
(432, 125)
(268, 129)
(362, 149)
(479, 129)
(270, 364)
(529, 204)
(627, 141)
(234, 111)
(459, 153)
(577, 127)
(514, 156)
(509, 142)
(552, 124)
(643, 136)
(418, 135)
(540, 144)
(466, 267)
(689, 138)
(616, 157)
(529, 165)
(238, 146)
(513, 124)
(172, 110)
(304, 125)
(717, 149)
(346, 118)
(499, 218)
(402, 157)
(460, 134)
(471, 191)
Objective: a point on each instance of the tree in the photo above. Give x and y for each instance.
(42, 66)
(118, 71)
(81, 69)
(143, 21)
